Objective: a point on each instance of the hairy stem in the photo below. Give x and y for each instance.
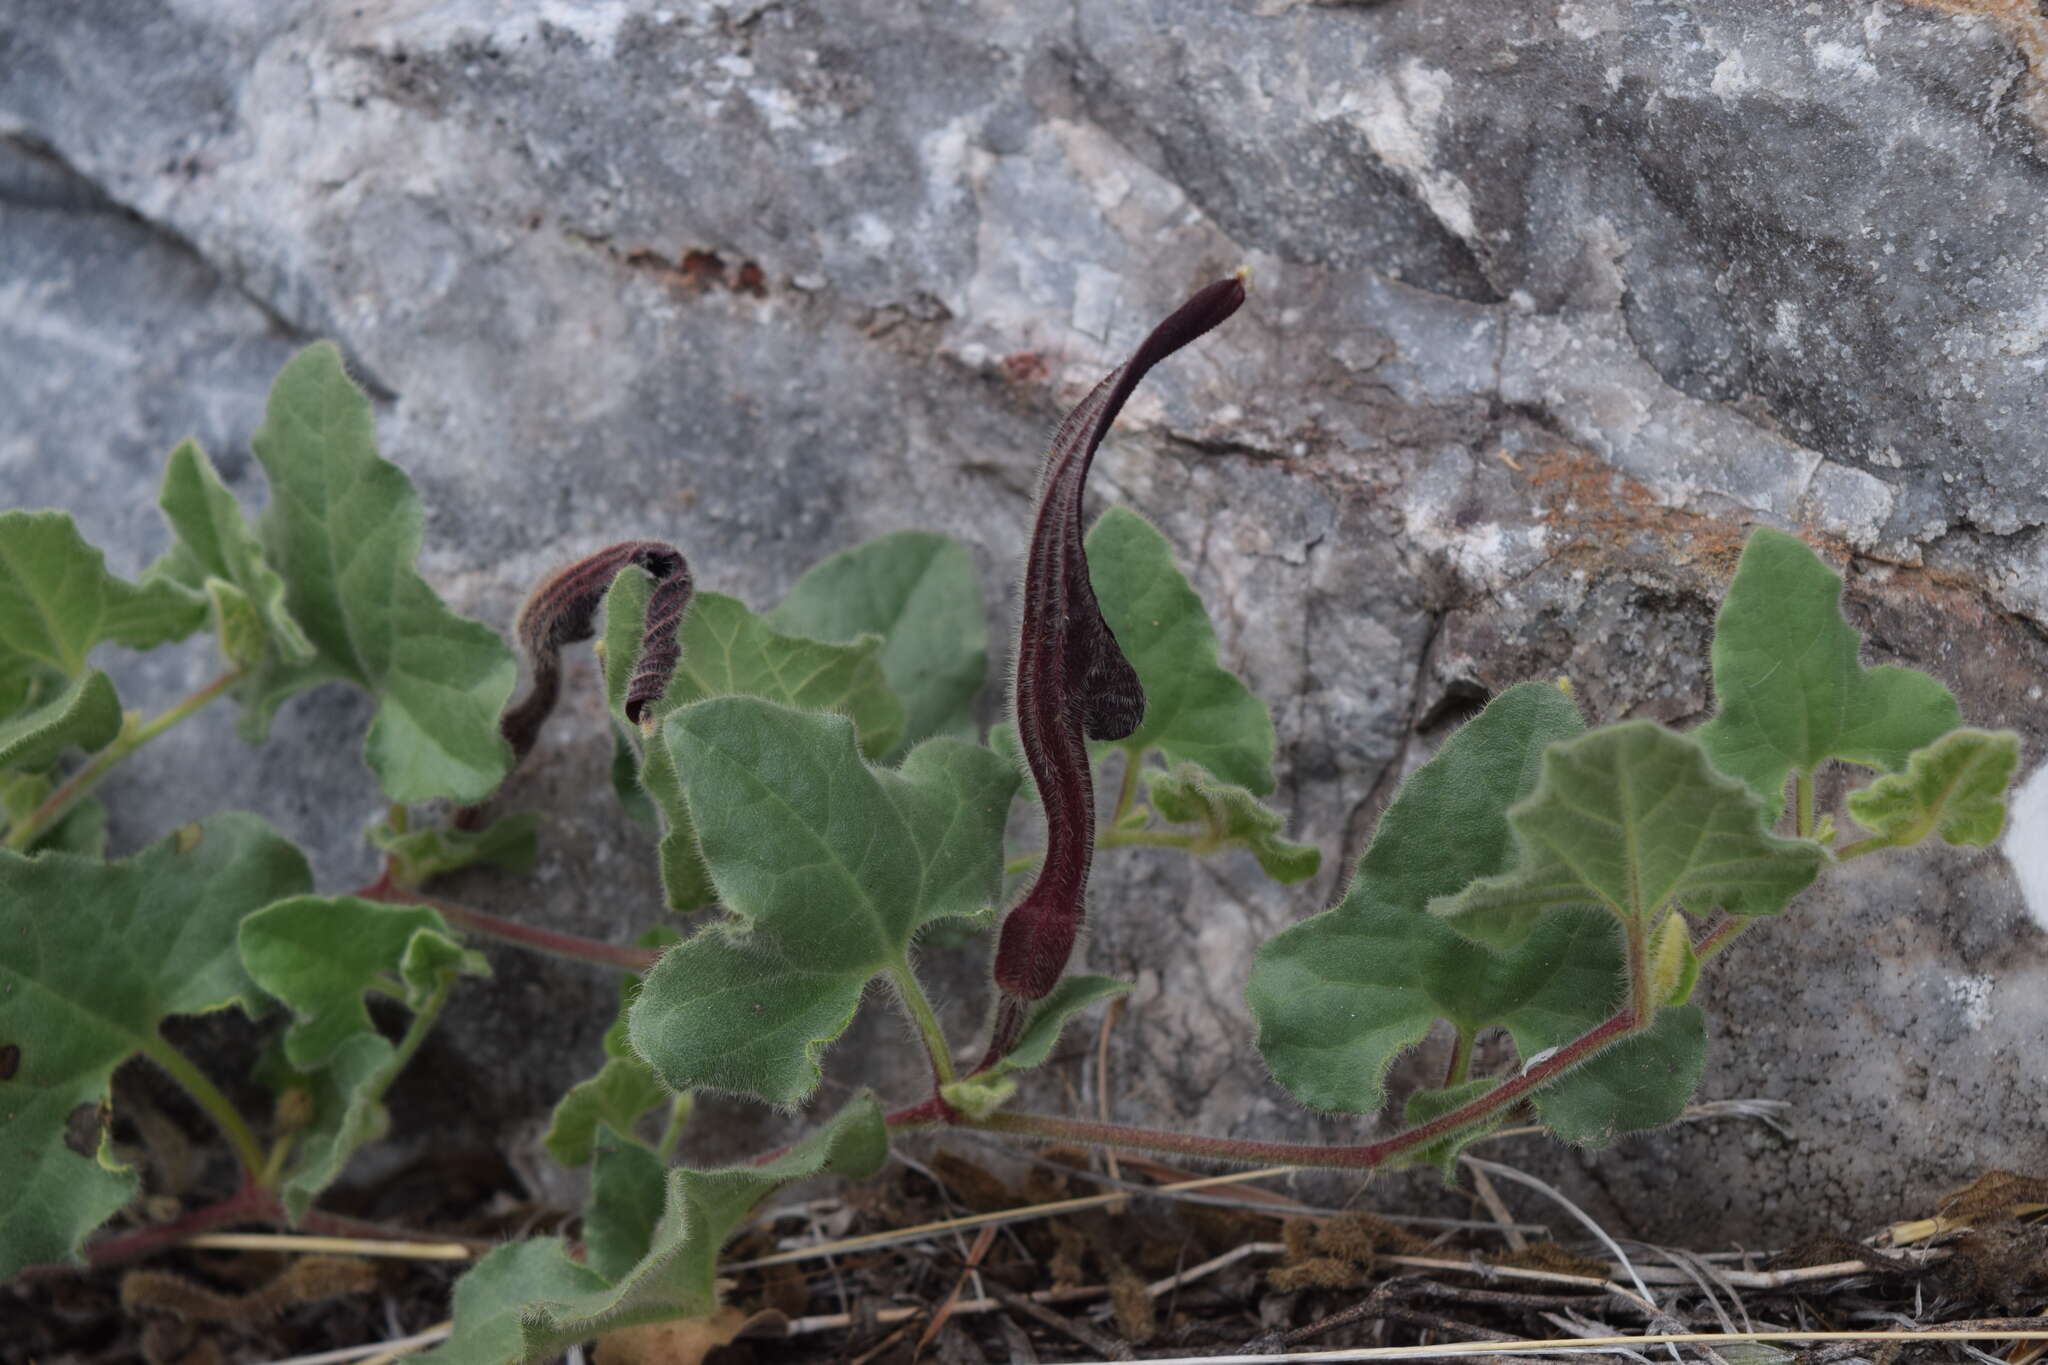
(252, 1203)
(672, 1131)
(1802, 804)
(218, 1107)
(911, 992)
(1503, 1096)
(569, 946)
(1127, 788)
(1461, 1059)
(132, 737)
(1155, 838)
(1636, 944)
(1874, 844)
(1719, 935)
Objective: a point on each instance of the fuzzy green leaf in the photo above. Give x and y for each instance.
(343, 528)
(494, 1298)
(830, 868)
(917, 591)
(319, 954)
(621, 1092)
(349, 1115)
(1049, 1018)
(1231, 817)
(1425, 1105)
(1789, 689)
(87, 714)
(1643, 1081)
(57, 601)
(98, 955)
(528, 1302)
(728, 651)
(1195, 710)
(1954, 787)
(1340, 995)
(627, 1191)
(216, 551)
(1632, 818)
(420, 855)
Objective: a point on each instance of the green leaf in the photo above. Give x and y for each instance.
(86, 714)
(343, 528)
(830, 868)
(1195, 710)
(349, 1115)
(627, 1191)
(729, 651)
(1955, 787)
(1340, 995)
(1643, 1081)
(1050, 1017)
(217, 552)
(621, 1092)
(1231, 817)
(420, 855)
(1632, 818)
(1789, 689)
(528, 1302)
(98, 955)
(57, 601)
(1425, 1105)
(494, 1298)
(319, 954)
(917, 591)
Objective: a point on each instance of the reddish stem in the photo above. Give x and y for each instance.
(1503, 1096)
(571, 946)
(250, 1204)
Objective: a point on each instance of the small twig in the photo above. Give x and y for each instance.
(375, 1352)
(1521, 1178)
(982, 1241)
(1490, 1197)
(1109, 1348)
(346, 1246)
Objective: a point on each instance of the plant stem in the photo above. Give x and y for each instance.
(1127, 789)
(1461, 1059)
(1635, 943)
(672, 1132)
(218, 1107)
(570, 946)
(133, 736)
(423, 1021)
(1719, 935)
(1503, 1096)
(911, 992)
(1024, 862)
(1152, 838)
(1802, 797)
(1874, 844)
(251, 1204)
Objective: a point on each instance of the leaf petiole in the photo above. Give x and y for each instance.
(132, 737)
(1802, 795)
(218, 1107)
(569, 946)
(919, 1007)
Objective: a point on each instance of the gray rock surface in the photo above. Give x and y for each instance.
(1550, 303)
